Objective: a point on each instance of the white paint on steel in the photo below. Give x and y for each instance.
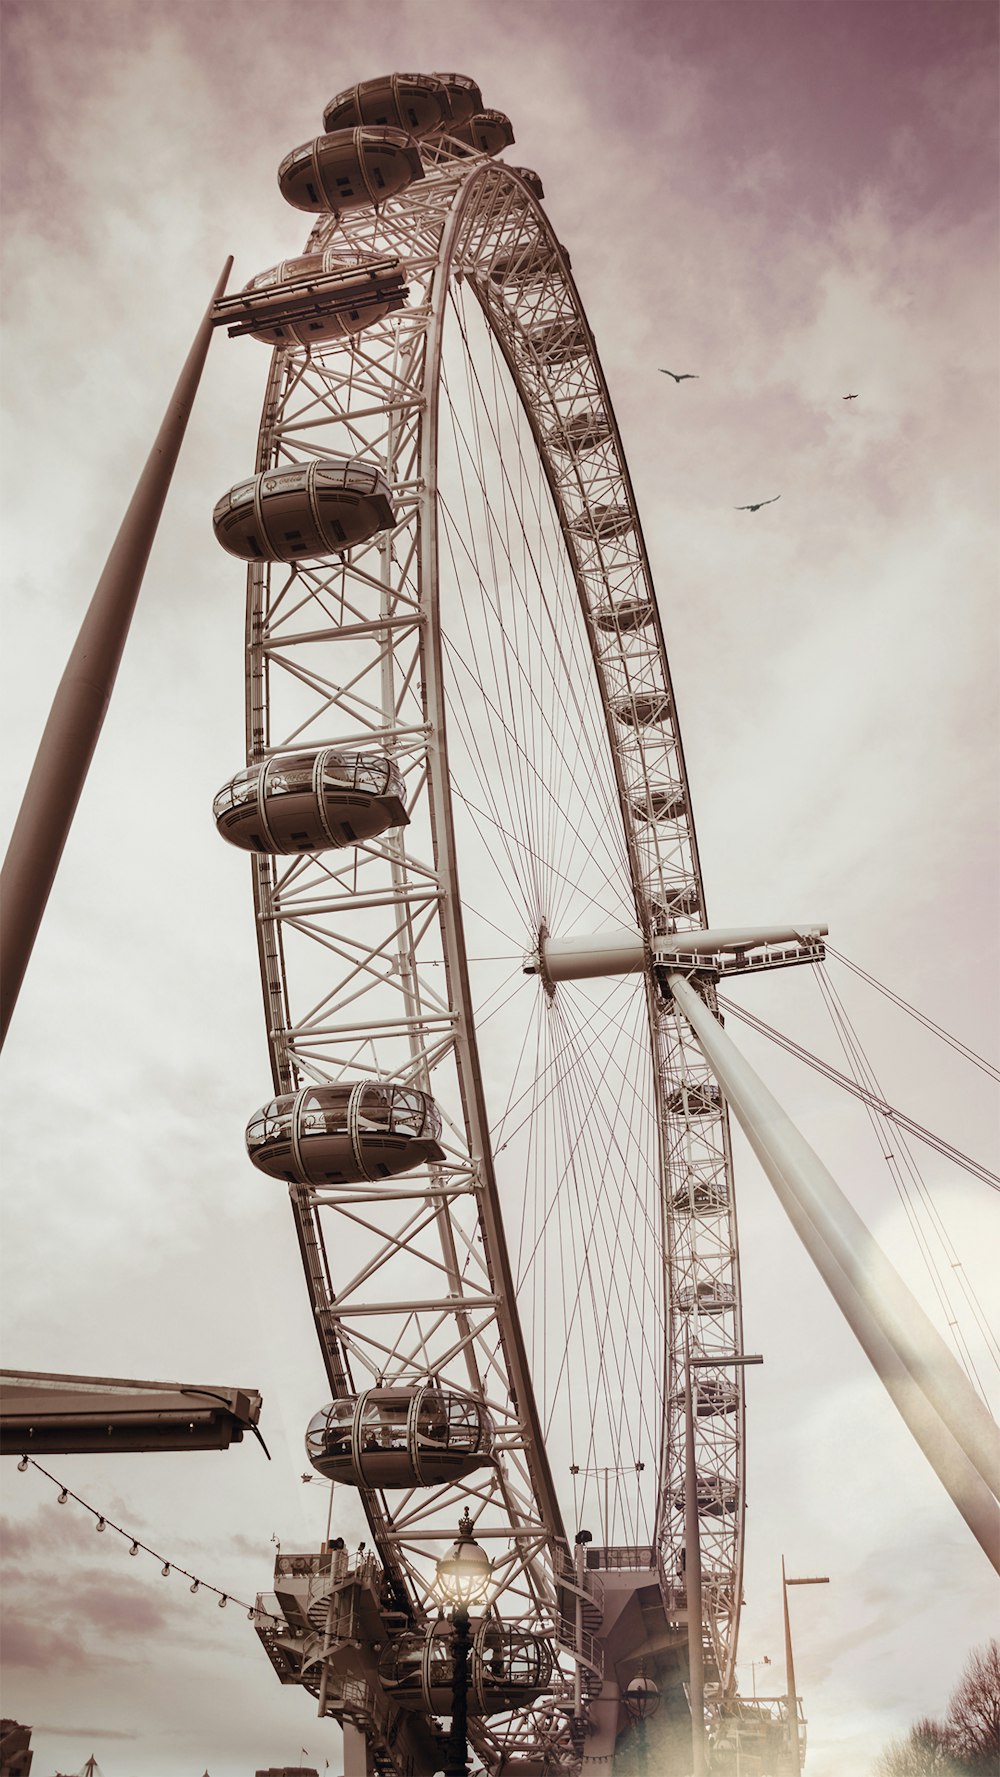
(349, 651)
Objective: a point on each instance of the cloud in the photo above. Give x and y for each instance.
(786, 196)
(40, 1645)
(44, 1727)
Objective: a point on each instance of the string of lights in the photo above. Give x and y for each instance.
(137, 1547)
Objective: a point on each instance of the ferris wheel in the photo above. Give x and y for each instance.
(470, 825)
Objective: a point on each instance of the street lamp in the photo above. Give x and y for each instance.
(692, 1550)
(641, 1699)
(791, 1694)
(463, 1578)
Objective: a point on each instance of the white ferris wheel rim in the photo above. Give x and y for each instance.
(480, 188)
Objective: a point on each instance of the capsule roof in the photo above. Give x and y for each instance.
(310, 802)
(606, 523)
(579, 433)
(660, 802)
(302, 510)
(464, 95)
(532, 181)
(559, 342)
(348, 169)
(628, 614)
(488, 132)
(524, 261)
(643, 709)
(414, 103)
(700, 1098)
(680, 898)
(715, 1495)
(315, 297)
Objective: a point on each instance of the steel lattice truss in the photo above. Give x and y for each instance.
(365, 953)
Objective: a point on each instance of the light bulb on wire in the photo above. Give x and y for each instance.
(63, 1497)
(101, 1524)
(165, 1570)
(134, 1550)
(22, 1465)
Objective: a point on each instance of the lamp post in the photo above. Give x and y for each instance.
(463, 1578)
(791, 1694)
(692, 1548)
(642, 1699)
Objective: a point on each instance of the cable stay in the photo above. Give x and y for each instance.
(926, 1225)
(874, 1099)
(953, 1042)
(916, 1200)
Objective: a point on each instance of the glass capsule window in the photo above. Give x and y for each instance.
(269, 1124)
(383, 1423)
(398, 1110)
(290, 777)
(385, 1420)
(330, 1432)
(324, 1108)
(511, 1659)
(453, 1422)
(237, 793)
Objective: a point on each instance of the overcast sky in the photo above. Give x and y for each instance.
(795, 199)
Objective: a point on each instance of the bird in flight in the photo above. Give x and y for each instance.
(758, 506)
(848, 397)
(686, 376)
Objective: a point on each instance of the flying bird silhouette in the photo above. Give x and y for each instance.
(686, 376)
(848, 397)
(758, 506)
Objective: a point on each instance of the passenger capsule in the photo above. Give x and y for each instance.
(626, 615)
(304, 509)
(709, 1296)
(580, 433)
(348, 169)
(317, 297)
(525, 263)
(663, 914)
(345, 1134)
(604, 522)
(488, 132)
(716, 1394)
(699, 1098)
(533, 182)
(715, 1496)
(508, 1667)
(559, 342)
(400, 1437)
(310, 801)
(414, 103)
(642, 709)
(661, 802)
(464, 97)
(704, 1197)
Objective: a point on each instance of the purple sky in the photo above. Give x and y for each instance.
(793, 198)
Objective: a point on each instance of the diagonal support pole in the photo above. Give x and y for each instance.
(84, 692)
(945, 1415)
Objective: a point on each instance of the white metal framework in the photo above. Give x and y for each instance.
(501, 643)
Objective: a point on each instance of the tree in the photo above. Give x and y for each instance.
(973, 1719)
(967, 1742)
(926, 1752)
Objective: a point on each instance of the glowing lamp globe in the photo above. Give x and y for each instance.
(463, 1576)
